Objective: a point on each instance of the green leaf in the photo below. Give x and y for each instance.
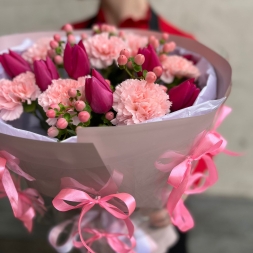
(72, 132)
(29, 107)
(67, 116)
(137, 68)
(62, 107)
(144, 73)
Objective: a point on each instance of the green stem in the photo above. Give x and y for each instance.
(128, 72)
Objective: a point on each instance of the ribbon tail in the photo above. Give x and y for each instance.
(177, 193)
(223, 113)
(182, 217)
(85, 209)
(231, 153)
(11, 191)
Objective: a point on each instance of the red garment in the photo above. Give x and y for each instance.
(164, 26)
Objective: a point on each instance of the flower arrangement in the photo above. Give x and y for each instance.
(103, 80)
(127, 121)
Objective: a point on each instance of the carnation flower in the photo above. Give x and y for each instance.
(135, 42)
(10, 107)
(103, 49)
(37, 51)
(136, 101)
(24, 87)
(177, 66)
(57, 92)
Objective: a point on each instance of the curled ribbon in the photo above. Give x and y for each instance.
(87, 200)
(113, 239)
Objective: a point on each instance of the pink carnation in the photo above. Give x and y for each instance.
(24, 87)
(38, 50)
(177, 66)
(103, 49)
(57, 92)
(135, 42)
(10, 107)
(136, 101)
(14, 93)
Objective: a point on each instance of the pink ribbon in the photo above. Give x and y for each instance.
(113, 239)
(16, 197)
(180, 176)
(181, 217)
(87, 198)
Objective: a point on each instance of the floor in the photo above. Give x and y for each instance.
(224, 215)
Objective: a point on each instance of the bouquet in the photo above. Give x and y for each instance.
(129, 117)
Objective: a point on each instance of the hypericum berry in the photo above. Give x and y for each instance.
(162, 57)
(55, 106)
(54, 44)
(83, 36)
(139, 59)
(109, 116)
(165, 36)
(51, 113)
(57, 37)
(158, 71)
(62, 123)
(52, 132)
(150, 77)
(51, 53)
(130, 65)
(169, 47)
(68, 28)
(122, 60)
(79, 106)
(71, 39)
(164, 88)
(72, 92)
(84, 116)
(125, 52)
(58, 59)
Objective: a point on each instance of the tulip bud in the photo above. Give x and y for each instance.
(76, 61)
(151, 58)
(183, 95)
(45, 72)
(14, 64)
(98, 93)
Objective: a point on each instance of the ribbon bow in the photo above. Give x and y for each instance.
(87, 199)
(179, 176)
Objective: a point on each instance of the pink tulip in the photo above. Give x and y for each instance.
(183, 95)
(14, 64)
(45, 72)
(98, 93)
(151, 58)
(76, 61)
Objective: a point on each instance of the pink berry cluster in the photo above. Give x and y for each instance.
(125, 61)
(77, 110)
(105, 28)
(57, 45)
